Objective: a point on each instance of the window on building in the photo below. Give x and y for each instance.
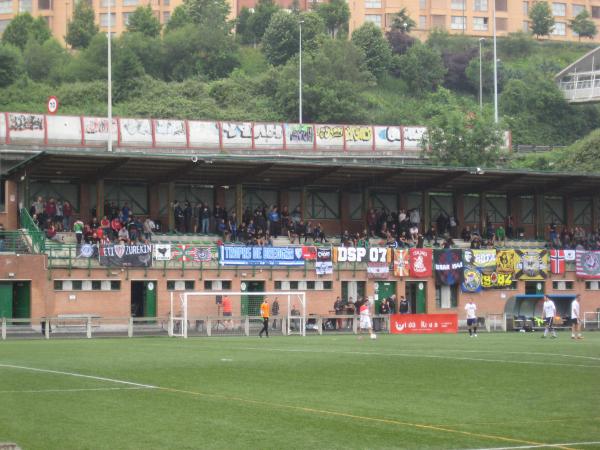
(217, 285)
(166, 16)
(578, 9)
(87, 285)
(180, 285)
(375, 18)
(501, 5)
(526, 8)
(126, 18)
(373, 4)
(525, 26)
(25, 6)
(423, 4)
(501, 24)
(446, 297)
(457, 22)
(592, 285)
(480, 23)
(562, 285)
(166, 2)
(423, 22)
(104, 3)
(4, 24)
(560, 29)
(130, 2)
(301, 285)
(559, 9)
(438, 21)
(457, 4)
(596, 12)
(104, 20)
(353, 290)
(45, 4)
(5, 8)
(480, 5)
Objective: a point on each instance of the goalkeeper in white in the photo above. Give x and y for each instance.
(365, 318)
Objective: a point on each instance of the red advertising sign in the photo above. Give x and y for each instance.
(423, 323)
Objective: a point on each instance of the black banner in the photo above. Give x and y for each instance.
(448, 265)
(120, 255)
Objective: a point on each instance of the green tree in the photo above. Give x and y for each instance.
(421, 68)
(583, 25)
(11, 64)
(335, 15)
(149, 51)
(44, 61)
(259, 21)
(542, 20)
(178, 19)
(212, 13)
(127, 74)
(243, 30)
(24, 27)
(280, 41)
(459, 137)
(402, 22)
(378, 54)
(583, 154)
(142, 20)
(82, 28)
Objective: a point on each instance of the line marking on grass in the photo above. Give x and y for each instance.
(362, 418)
(420, 355)
(541, 446)
(43, 391)
(79, 375)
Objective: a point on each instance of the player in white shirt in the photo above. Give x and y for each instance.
(576, 318)
(365, 318)
(471, 309)
(548, 313)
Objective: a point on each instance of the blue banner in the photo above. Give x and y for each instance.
(236, 255)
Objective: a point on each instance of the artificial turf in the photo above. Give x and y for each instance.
(339, 392)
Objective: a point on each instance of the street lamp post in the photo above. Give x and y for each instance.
(109, 81)
(481, 41)
(495, 68)
(300, 74)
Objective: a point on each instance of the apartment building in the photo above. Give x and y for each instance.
(472, 17)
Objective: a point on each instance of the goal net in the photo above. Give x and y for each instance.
(236, 313)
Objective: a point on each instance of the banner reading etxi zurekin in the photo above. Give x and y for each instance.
(120, 255)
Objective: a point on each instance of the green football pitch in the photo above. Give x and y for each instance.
(319, 392)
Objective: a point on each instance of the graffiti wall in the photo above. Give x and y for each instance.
(413, 137)
(330, 137)
(299, 136)
(95, 130)
(136, 131)
(28, 127)
(237, 134)
(170, 132)
(359, 137)
(388, 138)
(2, 127)
(64, 129)
(268, 135)
(204, 134)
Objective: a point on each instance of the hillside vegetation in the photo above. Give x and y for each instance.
(198, 68)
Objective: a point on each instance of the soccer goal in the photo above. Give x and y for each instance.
(206, 308)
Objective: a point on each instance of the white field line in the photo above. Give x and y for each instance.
(541, 446)
(43, 391)
(522, 353)
(413, 355)
(79, 375)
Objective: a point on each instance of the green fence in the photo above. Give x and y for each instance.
(38, 238)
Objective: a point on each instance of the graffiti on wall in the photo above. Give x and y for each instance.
(204, 134)
(268, 134)
(357, 133)
(300, 134)
(136, 127)
(328, 132)
(237, 130)
(25, 122)
(413, 137)
(390, 134)
(93, 125)
(170, 127)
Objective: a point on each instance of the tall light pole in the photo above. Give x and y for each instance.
(109, 147)
(495, 69)
(300, 74)
(481, 41)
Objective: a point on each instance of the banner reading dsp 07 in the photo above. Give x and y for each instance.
(362, 254)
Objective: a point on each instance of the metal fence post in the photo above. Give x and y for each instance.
(209, 327)
(247, 326)
(3, 328)
(47, 330)
(320, 325)
(130, 327)
(88, 327)
(354, 325)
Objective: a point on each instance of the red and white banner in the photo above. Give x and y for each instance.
(557, 261)
(378, 270)
(587, 264)
(421, 261)
(423, 323)
(401, 262)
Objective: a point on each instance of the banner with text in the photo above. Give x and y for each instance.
(120, 255)
(532, 265)
(324, 264)
(421, 261)
(423, 323)
(448, 266)
(362, 254)
(233, 255)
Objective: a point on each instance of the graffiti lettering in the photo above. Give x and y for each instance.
(21, 122)
(330, 132)
(94, 126)
(359, 134)
(236, 130)
(267, 131)
(391, 134)
(137, 127)
(170, 128)
(414, 135)
(301, 133)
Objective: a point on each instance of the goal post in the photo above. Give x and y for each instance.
(192, 306)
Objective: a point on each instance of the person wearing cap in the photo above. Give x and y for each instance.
(548, 313)
(471, 309)
(264, 312)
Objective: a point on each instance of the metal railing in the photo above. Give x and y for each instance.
(13, 242)
(591, 320)
(37, 237)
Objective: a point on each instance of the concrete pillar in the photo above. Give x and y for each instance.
(154, 200)
(170, 200)
(84, 201)
(100, 198)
